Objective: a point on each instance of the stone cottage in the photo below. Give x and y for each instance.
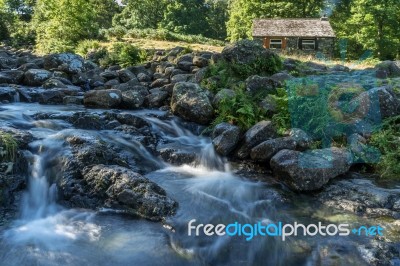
(303, 36)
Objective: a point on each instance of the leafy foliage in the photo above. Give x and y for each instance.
(240, 110)
(386, 139)
(124, 55)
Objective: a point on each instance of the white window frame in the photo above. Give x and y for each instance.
(308, 44)
(274, 42)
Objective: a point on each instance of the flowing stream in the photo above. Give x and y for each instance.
(210, 191)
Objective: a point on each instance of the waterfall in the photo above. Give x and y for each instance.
(40, 198)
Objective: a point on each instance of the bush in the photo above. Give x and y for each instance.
(22, 34)
(262, 66)
(86, 47)
(240, 110)
(124, 55)
(386, 139)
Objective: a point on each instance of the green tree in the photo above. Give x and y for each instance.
(375, 24)
(60, 24)
(186, 16)
(141, 14)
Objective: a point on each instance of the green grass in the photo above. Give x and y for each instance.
(8, 147)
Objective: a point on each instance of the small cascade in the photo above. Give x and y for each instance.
(40, 199)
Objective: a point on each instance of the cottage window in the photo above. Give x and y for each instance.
(275, 44)
(308, 44)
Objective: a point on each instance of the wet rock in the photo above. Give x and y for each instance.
(55, 83)
(122, 189)
(336, 253)
(362, 197)
(310, 170)
(36, 77)
(226, 138)
(191, 102)
(77, 100)
(267, 149)
(259, 133)
(103, 98)
(176, 154)
(8, 94)
(84, 120)
(57, 95)
(66, 62)
(11, 77)
(135, 97)
(132, 120)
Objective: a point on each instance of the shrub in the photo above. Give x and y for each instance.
(86, 47)
(240, 110)
(386, 139)
(8, 147)
(262, 66)
(124, 55)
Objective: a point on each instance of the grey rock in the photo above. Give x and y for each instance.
(308, 171)
(190, 102)
(103, 98)
(259, 133)
(226, 137)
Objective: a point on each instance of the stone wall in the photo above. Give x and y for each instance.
(324, 46)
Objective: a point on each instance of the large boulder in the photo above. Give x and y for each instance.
(225, 138)
(191, 102)
(66, 62)
(267, 149)
(244, 54)
(11, 77)
(103, 98)
(122, 189)
(259, 133)
(388, 69)
(308, 171)
(386, 99)
(36, 77)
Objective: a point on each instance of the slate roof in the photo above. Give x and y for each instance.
(292, 28)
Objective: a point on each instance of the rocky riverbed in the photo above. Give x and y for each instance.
(141, 154)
